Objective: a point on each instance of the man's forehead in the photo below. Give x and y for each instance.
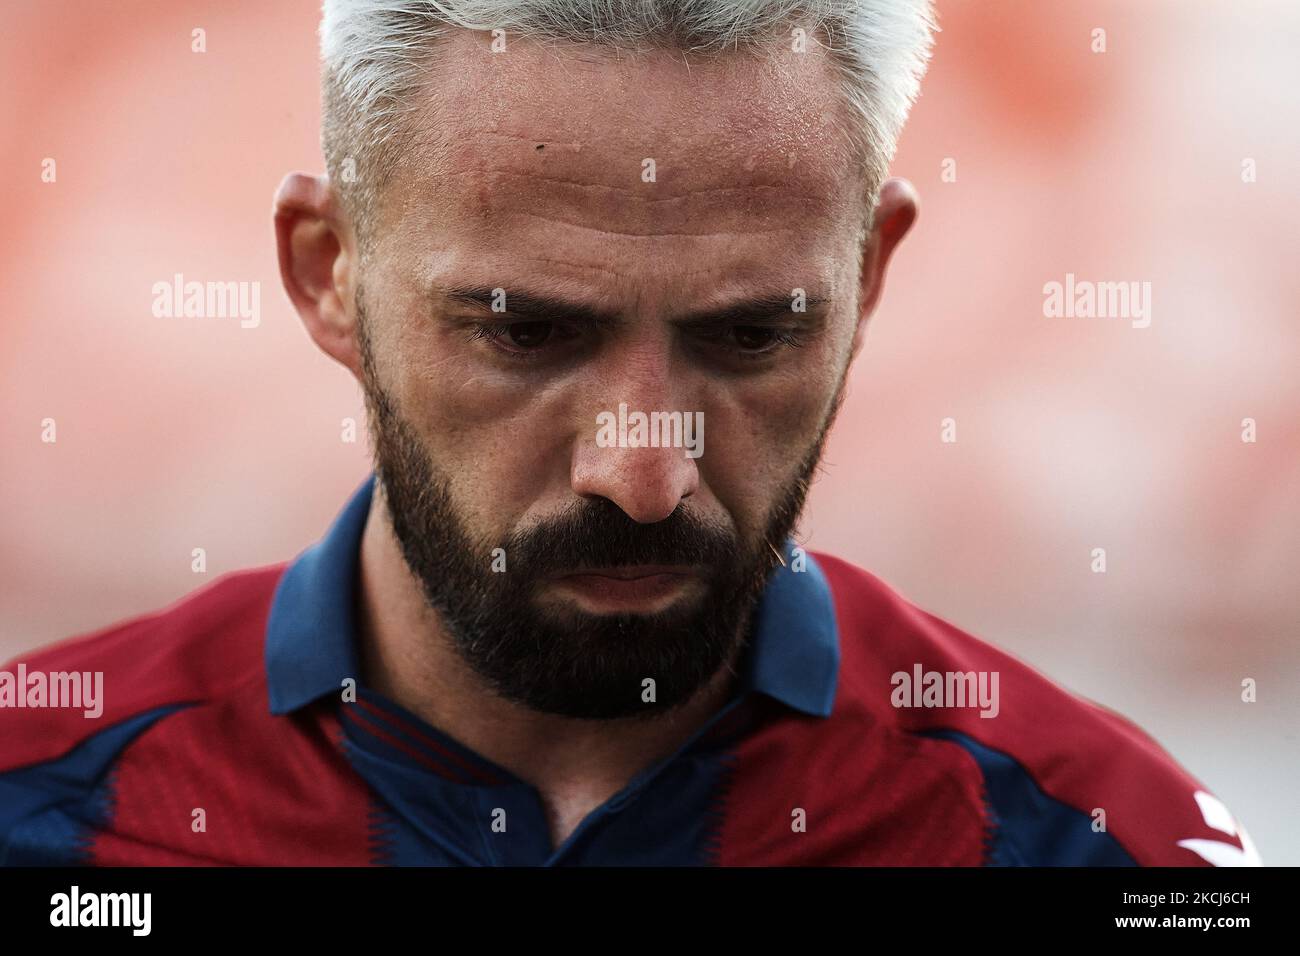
(597, 166)
(772, 96)
(662, 129)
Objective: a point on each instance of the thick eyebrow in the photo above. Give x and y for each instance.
(755, 310)
(540, 307)
(532, 306)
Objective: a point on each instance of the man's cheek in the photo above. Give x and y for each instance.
(452, 388)
(741, 472)
(785, 413)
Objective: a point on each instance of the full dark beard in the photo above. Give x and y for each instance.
(559, 659)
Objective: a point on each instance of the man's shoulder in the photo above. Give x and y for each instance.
(1043, 751)
(196, 650)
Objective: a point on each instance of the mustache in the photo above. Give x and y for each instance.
(596, 533)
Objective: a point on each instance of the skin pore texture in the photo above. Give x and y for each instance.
(485, 423)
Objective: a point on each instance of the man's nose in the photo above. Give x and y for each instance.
(647, 482)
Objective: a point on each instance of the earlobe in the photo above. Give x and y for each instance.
(895, 212)
(316, 264)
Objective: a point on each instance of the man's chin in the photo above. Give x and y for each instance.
(552, 654)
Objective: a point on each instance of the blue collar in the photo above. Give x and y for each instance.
(310, 631)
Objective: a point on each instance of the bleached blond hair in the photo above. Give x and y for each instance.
(375, 55)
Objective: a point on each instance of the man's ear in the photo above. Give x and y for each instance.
(895, 212)
(317, 264)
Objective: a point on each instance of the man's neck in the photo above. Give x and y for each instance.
(575, 765)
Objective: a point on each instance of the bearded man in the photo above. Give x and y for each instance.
(600, 268)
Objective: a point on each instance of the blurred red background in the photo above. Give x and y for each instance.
(1072, 434)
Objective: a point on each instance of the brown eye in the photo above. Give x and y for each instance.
(529, 335)
(754, 337)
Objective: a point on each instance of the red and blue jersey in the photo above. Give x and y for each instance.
(226, 737)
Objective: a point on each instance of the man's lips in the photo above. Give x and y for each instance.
(630, 572)
(627, 587)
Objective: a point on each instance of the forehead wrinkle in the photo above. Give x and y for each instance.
(659, 234)
(493, 201)
(533, 174)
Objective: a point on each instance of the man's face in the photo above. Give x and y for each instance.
(628, 214)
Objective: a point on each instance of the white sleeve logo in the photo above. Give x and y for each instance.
(1216, 852)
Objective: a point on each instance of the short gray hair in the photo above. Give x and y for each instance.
(375, 54)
